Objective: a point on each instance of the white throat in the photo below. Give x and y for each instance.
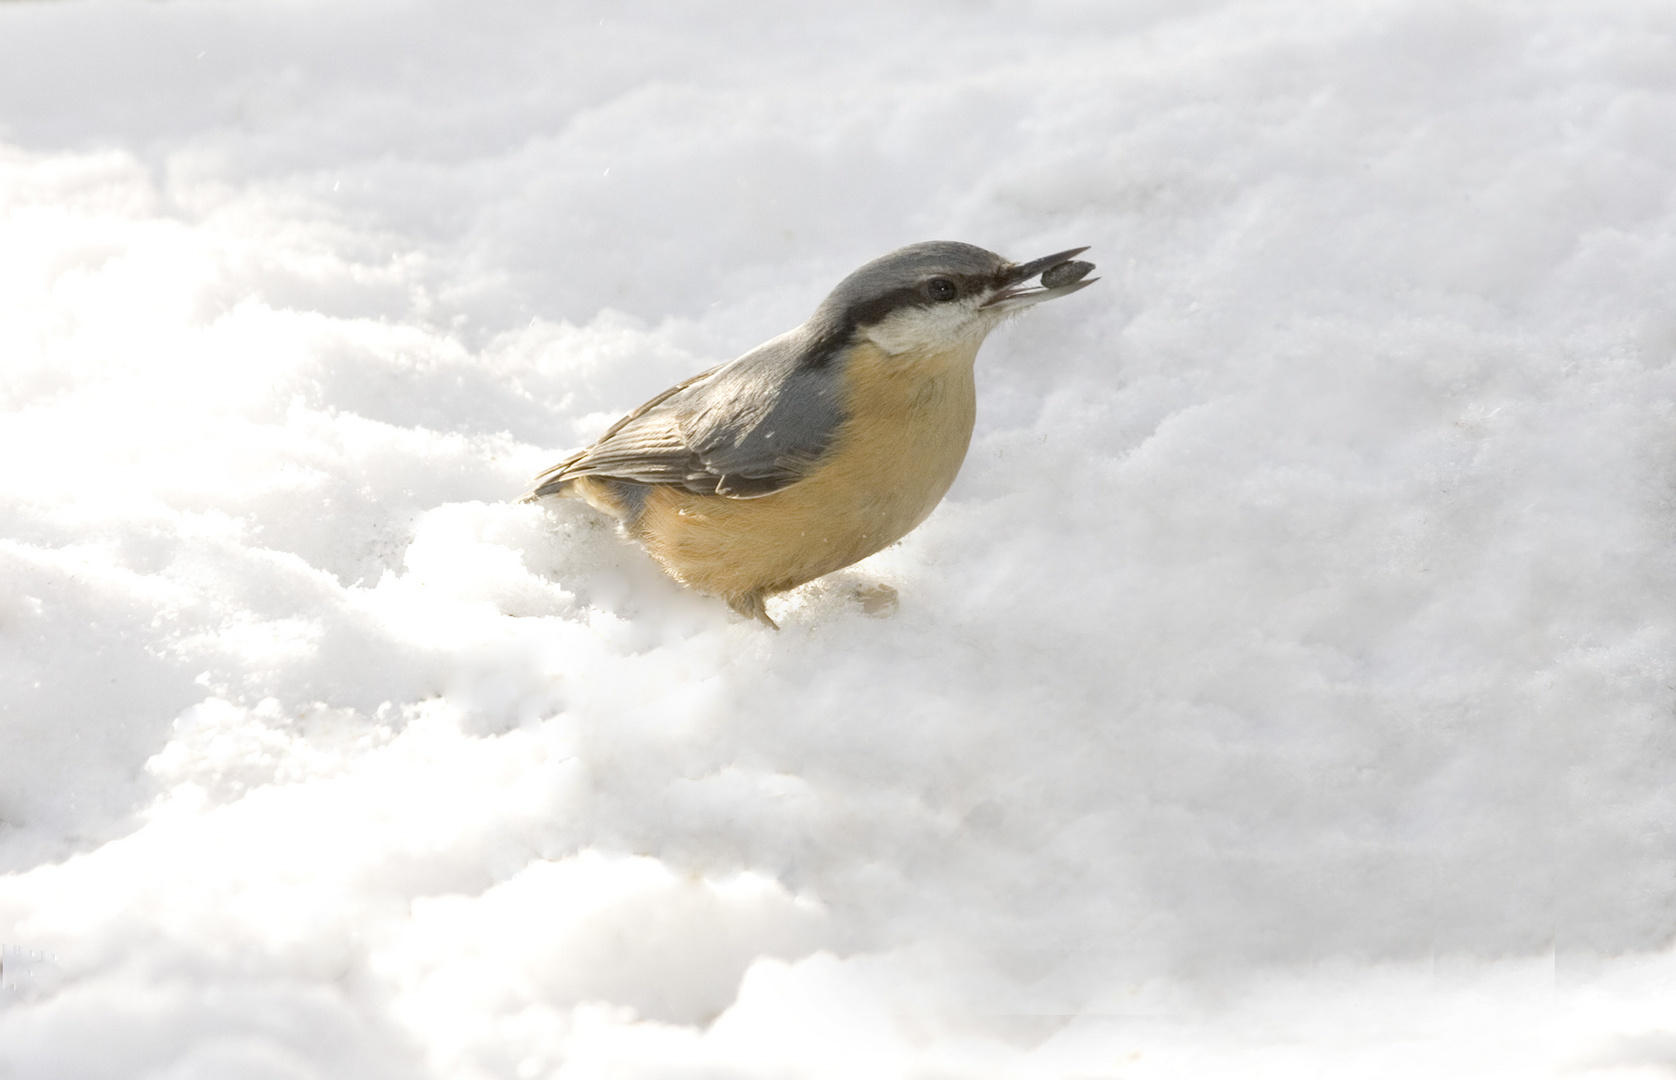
(937, 329)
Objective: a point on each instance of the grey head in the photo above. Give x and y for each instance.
(935, 293)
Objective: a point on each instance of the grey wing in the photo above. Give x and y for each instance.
(745, 429)
(619, 453)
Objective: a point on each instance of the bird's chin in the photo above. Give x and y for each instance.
(932, 330)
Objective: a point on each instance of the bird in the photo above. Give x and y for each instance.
(820, 446)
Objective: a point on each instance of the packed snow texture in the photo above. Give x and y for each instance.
(1285, 688)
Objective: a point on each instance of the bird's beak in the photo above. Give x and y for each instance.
(1016, 292)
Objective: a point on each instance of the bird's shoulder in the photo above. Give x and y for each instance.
(742, 429)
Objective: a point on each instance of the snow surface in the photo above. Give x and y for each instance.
(1285, 689)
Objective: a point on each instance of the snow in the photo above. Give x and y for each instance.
(1284, 689)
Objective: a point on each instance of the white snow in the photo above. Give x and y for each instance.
(1285, 688)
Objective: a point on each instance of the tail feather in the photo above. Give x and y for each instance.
(553, 481)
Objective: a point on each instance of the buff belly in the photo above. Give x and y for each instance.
(889, 466)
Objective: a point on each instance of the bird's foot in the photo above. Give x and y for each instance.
(879, 601)
(752, 607)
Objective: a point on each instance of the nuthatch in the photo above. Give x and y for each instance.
(823, 445)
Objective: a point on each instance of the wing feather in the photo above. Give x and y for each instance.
(745, 429)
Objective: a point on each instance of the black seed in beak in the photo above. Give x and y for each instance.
(1025, 271)
(1065, 273)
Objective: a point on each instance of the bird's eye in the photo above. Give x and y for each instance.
(941, 288)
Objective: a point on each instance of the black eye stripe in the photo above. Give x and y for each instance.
(877, 308)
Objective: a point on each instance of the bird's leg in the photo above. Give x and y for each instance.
(751, 606)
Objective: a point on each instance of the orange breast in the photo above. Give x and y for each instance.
(910, 422)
